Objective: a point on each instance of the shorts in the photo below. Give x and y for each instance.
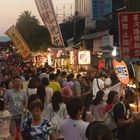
(15, 124)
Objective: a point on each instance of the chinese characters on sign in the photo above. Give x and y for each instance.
(121, 71)
(46, 10)
(129, 30)
(18, 41)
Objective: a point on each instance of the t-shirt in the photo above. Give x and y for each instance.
(38, 132)
(74, 129)
(4, 124)
(98, 111)
(76, 88)
(62, 111)
(95, 87)
(49, 94)
(55, 86)
(31, 91)
(15, 100)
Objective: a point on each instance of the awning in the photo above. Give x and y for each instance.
(95, 35)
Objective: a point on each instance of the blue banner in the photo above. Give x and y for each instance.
(101, 8)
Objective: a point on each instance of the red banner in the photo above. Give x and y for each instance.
(129, 33)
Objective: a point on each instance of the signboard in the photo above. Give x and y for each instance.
(129, 33)
(71, 57)
(121, 71)
(84, 57)
(101, 8)
(18, 41)
(46, 11)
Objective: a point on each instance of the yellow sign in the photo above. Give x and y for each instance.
(18, 41)
(121, 71)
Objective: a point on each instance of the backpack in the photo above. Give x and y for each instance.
(110, 120)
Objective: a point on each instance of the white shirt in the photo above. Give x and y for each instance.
(95, 87)
(74, 129)
(62, 111)
(108, 82)
(31, 91)
(49, 94)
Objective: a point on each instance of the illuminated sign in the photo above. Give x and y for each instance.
(84, 57)
(121, 71)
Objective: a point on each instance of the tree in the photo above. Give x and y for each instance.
(36, 36)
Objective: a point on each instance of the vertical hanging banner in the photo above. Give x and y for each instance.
(129, 34)
(121, 71)
(46, 11)
(18, 41)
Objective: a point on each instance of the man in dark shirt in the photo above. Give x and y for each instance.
(122, 114)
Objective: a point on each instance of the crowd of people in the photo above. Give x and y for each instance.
(41, 104)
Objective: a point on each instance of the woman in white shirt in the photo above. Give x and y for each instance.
(56, 111)
(97, 107)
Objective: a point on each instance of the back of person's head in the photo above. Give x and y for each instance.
(98, 131)
(45, 81)
(41, 93)
(2, 103)
(111, 96)
(52, 76)
(56, 100)
(58, 72)
(74, 105)
(78, 76)
(70, 77)
(33, 83)
(102, 75)
(99, 97)
(134, 131)
(43, 70)
(63, 74)
(130, 94)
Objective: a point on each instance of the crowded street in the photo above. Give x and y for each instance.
(70, 70)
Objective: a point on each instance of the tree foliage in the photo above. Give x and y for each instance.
(36, 36)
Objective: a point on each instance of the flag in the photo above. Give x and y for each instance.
(46, 11)
(18, 41)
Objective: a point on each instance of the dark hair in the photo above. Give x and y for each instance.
(73, 106)
(98, 97)
(111, 96)
(35, 104)
(78, 76)
(56, 100)
(63, 73)
(52, 76)
(98, 131)
(33, 83)
(41, 93)
(45, 81)
(133, 131)
(129, 92)
(2, 103)
(102, 75)
(32, 98)
(70, 77)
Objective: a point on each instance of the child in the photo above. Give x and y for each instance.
(36, 128)
(5, 117)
